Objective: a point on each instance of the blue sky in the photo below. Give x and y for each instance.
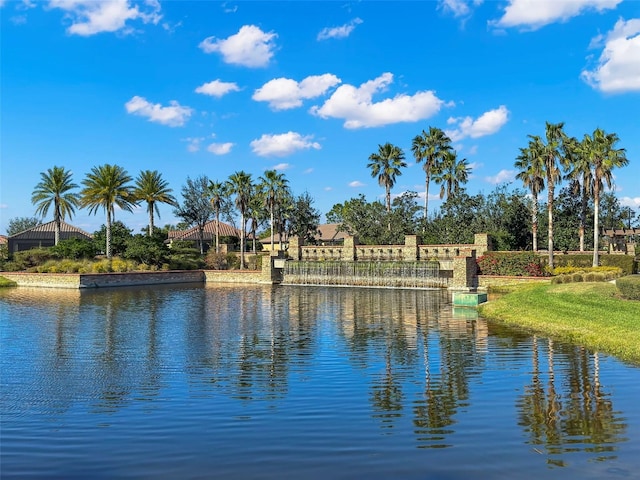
(308, 88)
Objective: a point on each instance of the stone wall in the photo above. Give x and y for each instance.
(485, 281)
(51, 280)
(129, 279)
(234, 276)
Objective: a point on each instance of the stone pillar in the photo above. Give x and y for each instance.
(273, 268)
(295, 247)
(464, 272)
(482, 243)
(349, 249)
(631, 249)
(410, 249)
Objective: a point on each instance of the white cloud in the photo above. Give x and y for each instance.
(220, 148)
(486, 124)
(618, 67)
(282, 145)
(89, 17)
(217, 88)
(174, 115)
(342, 31)
(281, 166)
(308, 171)
(459, 8)
(328, 189)
(501, 177)
(534, 14)
(250, 47)
(193, 143)
(356, 106)
(633, 202)
(285, 93)
(356, 184)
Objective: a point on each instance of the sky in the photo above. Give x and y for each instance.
(310, 89)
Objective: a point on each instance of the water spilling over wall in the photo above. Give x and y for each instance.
(368, 274)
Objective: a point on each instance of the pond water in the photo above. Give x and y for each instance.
(299, 382)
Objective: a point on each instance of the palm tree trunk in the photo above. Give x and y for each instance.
(388, 200)
(243, 226)
(534, 222)
(426, 195)
(217, 231)
(596, 222)
(201, 239)
(583, 215)
(57, 226)
(108, 234)
(550, 213)
(150, 219)
(271, 221)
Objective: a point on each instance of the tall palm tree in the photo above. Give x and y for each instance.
(531, 172)
(107, 186)
(430, 147)
(386, 165)
(274, 187)
(217, 193)
(581, 178)
(55, 188)
(240, 185)
(551, 151)
(150, 187)
(451, 174)
(600, 150)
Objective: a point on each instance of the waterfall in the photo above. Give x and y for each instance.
(396, 274)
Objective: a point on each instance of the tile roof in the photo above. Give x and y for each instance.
(328, 232)
(47, 231)
(226, 230)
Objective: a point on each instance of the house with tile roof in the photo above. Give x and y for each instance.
(43, 235)
(209, 234)
(328, 234)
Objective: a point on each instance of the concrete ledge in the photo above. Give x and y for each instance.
(467, 299)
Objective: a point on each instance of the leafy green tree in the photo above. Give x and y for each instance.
(151, 188)
(452, 173)
(54, 189)
(531, 172)
(305, 218)
(147, 249)
(106, 187)
(553, 153)
(505, 216)
(196, 209)
(404, 217)
(430, 148)
(241, 186)
(119, 234)
(274, 187)
(75, 248)
(601, 152)
(20, 224)
(457, 221)
(359, 217)
(386, 165)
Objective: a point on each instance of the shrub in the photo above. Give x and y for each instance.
(511, 263)
(577, 277)
(144, 249)
(233, 261)
(629, 287)
(75, 248)
(216, 261)
(624, 262)
(33, 257)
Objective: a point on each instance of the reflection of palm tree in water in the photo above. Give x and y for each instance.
(585, 421)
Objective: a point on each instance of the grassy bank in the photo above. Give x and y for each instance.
(5, 282)
(591, 314)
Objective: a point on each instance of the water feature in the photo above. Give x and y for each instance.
(367, 273)
(299, 382)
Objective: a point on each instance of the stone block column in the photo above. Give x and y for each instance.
(349, 249)
(410, 249)
(464, 272)
(295, 247)
(482, 243)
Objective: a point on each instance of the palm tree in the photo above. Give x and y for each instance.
(551, 154)
(54, 188)
(451, 174)
(273, 187)
(106, 187)
(582, 182)
(531, 172)
(218, 193)
(150, 187)
(430, 147)
(386, 165)
(604, 157)
(240, 185)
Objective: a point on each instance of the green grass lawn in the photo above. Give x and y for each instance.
(590, 314)
(5, 282)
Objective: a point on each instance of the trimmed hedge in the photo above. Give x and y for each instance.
(624, 262)
(629, 287)
(523, 264)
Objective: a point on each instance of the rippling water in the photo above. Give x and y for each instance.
(293, 382)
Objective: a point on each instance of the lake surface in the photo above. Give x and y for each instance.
(299, 382)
